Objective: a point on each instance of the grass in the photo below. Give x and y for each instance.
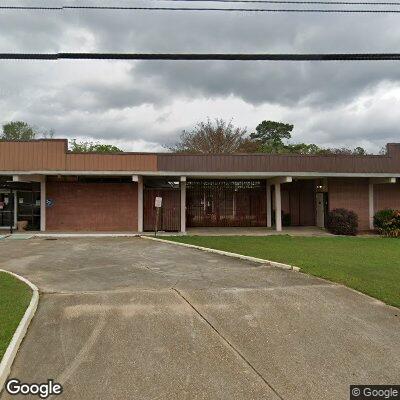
(15, 297)
(369, 265)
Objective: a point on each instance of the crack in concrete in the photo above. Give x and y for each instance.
(209, 288)
(226, 341)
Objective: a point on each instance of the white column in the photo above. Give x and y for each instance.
(43, 204)
(139, 180)
(183, 204)
(278, 207)
(269, 208)
(371, 205)
(234, 205)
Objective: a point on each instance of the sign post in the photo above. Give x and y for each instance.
(157, 205)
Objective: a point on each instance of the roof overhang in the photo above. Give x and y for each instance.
(205, 174)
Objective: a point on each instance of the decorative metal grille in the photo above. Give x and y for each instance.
(218, 203)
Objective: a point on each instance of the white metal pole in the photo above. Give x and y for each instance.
(43, 204)
(371, 205)
(269, 208)
(140, 203)
(278, 207)
(183, 204)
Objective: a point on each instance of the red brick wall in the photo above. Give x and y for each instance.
(92, 206)
(352, 194)
(387, 196)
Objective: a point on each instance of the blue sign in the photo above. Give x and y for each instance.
(49, 203)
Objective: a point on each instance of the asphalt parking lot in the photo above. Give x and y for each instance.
(129, 318)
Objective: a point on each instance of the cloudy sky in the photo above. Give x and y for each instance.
(141, 105)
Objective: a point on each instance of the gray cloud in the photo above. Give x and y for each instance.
(136, 102)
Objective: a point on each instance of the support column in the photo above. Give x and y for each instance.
(139, 180)
(371, 205)
(234, 205)
(278, 207)
(269, 206)
(43, 204)
(183, 204)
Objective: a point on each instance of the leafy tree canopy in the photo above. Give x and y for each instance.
(270, 134)
(95, 147)
(20, 130)
(270, 137)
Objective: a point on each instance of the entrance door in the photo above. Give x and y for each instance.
(7, 210)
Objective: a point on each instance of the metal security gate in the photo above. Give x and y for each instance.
(219, 203)
(170, 213)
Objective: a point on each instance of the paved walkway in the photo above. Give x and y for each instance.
(127, 318)
(259, 231)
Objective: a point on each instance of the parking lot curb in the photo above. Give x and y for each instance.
(11, 352)
(227, 253)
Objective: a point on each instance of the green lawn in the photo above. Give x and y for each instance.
(15, 297)
(370, 265)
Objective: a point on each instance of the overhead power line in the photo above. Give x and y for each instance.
(196, 9)
(203, 56)
(358, 3)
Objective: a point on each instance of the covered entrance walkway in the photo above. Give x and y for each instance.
(226, 203)
(258, 231)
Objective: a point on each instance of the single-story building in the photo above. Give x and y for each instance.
(53, 189)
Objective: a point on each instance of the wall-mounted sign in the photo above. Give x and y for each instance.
(21, 200)
(49, 203)
(158, 202)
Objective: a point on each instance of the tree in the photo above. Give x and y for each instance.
(95, 147)
(270, 136)
(20, 130)
(216, 136)
(358, 151)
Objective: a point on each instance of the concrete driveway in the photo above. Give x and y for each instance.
(128, 318)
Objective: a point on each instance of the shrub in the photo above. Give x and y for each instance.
(286, 219)
(342, 222)
(387, 222)
(382, 217)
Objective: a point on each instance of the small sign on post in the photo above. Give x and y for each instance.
(157, 205)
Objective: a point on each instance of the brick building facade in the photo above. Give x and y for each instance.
(56, 190)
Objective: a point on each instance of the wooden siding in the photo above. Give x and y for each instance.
(281, 163)
(111, 162)
(52, 155)
(38, 155)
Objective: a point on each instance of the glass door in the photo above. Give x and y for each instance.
(28, 208)
(7, 210)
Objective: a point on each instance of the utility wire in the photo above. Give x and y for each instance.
(346, 3)
(265, 10)
(203, 56)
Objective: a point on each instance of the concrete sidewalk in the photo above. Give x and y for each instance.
(126, 318)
